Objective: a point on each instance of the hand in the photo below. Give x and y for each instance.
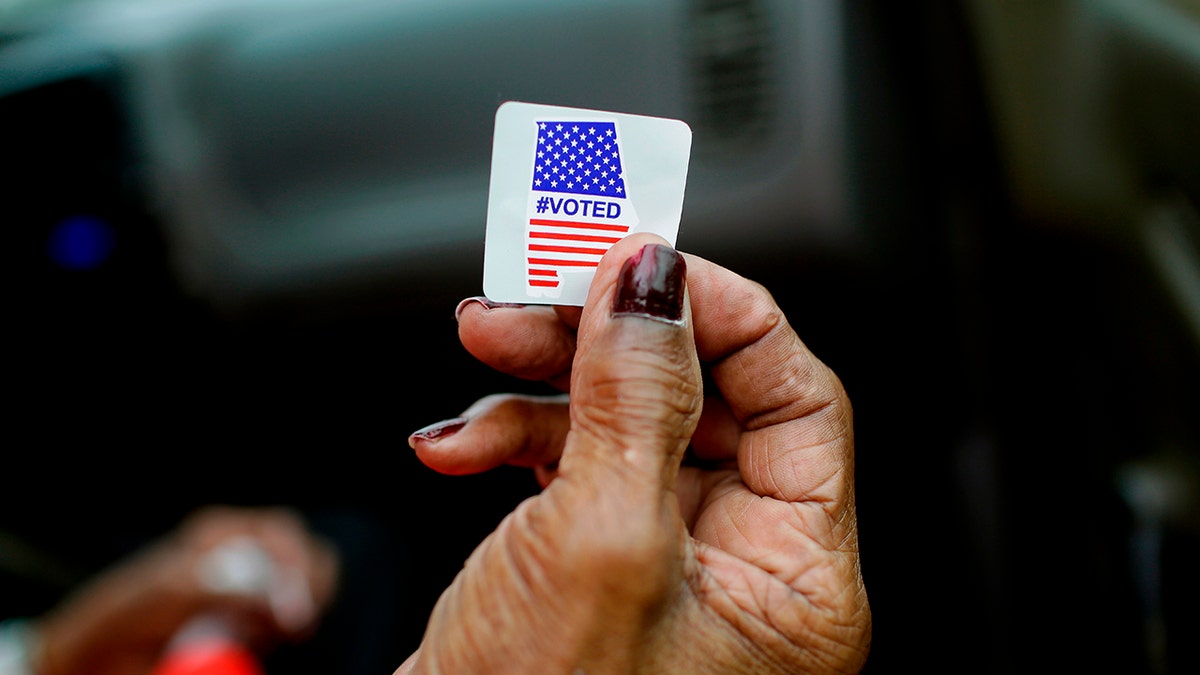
(743, 559)
(119, 623)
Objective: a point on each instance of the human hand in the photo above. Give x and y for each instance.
(120, 622)
(743, 559)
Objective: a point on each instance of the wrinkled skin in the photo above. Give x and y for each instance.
(678, 531)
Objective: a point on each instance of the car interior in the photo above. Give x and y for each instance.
(241, 228)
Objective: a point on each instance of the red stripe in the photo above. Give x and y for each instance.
(543, 282)
(574, 237)
(566, 249)
(563, 263)
(544, 273)
(572, 223)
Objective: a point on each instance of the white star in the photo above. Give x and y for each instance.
(602, 188)
(608, 132)
(575, 128)
(558, 127)
(618, 188)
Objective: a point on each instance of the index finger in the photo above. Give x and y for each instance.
(794, 434)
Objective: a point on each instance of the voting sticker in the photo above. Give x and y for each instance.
(568, 183)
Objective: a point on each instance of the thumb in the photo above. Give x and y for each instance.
(578, 577)
(636, 389)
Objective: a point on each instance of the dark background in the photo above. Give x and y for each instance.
(1015, 359)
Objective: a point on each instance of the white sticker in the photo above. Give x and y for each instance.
(568, 183)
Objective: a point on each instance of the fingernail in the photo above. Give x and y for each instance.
(487, 304)
(438, 430)
(652, 284)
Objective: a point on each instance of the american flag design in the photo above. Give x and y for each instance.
(578, 205)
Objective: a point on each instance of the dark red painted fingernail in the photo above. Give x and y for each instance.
(439, 430)
(652, 284)
(487, 304)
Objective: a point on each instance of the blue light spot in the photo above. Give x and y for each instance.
(81, 243)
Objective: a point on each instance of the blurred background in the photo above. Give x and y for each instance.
(237, 231)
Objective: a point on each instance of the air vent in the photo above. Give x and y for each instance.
(731, 53)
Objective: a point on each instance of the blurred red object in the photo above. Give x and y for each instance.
(209, 657)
